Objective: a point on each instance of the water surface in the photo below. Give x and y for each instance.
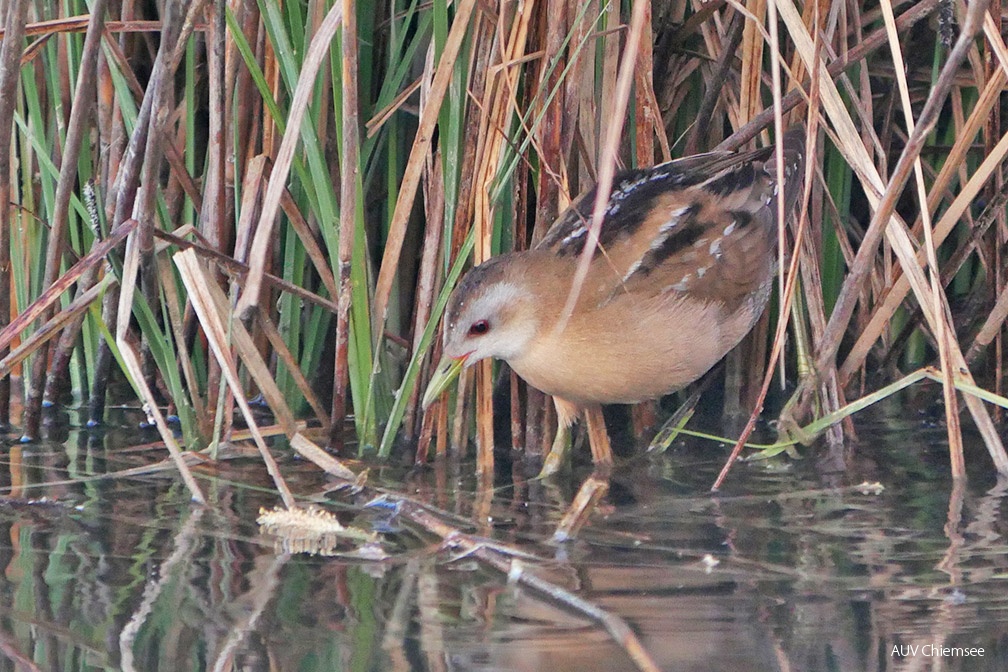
(790, 567)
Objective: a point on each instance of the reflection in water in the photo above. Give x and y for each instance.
(783, 570)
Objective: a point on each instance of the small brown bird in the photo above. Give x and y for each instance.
(683, 270)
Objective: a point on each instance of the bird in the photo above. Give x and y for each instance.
(682, 271)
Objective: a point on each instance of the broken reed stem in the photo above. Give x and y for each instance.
(201, 289)
(349, 179)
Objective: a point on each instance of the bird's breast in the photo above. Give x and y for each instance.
(644, 352)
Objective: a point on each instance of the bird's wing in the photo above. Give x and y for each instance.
(705, 225)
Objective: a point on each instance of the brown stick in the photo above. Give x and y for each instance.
(80, 115)
(124, 194)
(349, 177)
(496, 557)
(10, 71)
(212, 217)
(48, 298)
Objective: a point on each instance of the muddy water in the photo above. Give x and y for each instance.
(790, 567)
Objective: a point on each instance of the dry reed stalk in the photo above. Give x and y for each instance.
(883, 197)
(80, 115)
(581, 113)
(583, 505)
(377, 121)
(497, 106)
(79, 24)
(110, 124)
(253, 183)
(176, 322)
(414, 164)
(891, 300)
(939, 302)
(214, 222)
(441, 446)
(263, 240)
(131, 359)
(427, 274)
(607, 88)
(991, 326)
(287, 358)
(349, 179)
(460, 414)
(647, 118)
(10, 53)
(51, 295)
(48, 330)
(812, 290)
(220, 327)
(243, 142)
(237, 270)
(160, 90)
(873, 41)
(751, 73)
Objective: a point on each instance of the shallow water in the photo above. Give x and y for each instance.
(785, 569)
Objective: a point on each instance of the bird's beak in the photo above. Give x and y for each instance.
(447, 371)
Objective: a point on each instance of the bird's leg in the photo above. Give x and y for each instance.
(566, 414)
(598, 437)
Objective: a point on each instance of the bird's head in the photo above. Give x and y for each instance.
(490, 314)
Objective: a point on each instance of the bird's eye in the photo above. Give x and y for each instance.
(479, 328)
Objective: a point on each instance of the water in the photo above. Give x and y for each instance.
(785, 569)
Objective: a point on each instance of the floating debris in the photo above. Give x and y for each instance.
(313, 531)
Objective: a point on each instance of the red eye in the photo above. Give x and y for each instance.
(479, 328)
